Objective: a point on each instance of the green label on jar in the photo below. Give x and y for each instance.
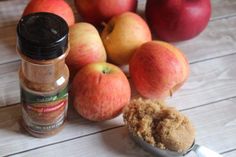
(29, 97)
(44, 113)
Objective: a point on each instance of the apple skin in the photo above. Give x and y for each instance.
(58, 7)
(177, 20)
(122, 35)
(98, 11)
(100, 91)
(85, 47)
(158, 69)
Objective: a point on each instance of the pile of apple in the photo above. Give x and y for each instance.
(100, 89)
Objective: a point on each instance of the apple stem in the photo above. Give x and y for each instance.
(171, 93)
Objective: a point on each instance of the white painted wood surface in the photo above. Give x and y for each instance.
(214, 123)
(230, 154)
(208, 97)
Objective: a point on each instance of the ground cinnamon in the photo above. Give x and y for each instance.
(42, 43)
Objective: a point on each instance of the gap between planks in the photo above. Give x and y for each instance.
(199, 48)
(216, 16)
(211, 102)
(119, 126)
(216, 125)
(140, 9)
(90, 134)
(230, 154)
(205, 60)
(225, 152)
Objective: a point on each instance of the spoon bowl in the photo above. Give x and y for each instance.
(201, 151)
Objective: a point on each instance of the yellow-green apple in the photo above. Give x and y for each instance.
(85, 47)
(177, 20)
(100, 90)
(122, 35)
(98, 11)
(158, 69)
(59, 7)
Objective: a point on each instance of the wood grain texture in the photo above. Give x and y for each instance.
(211, 131)
(216, 40)
(199, 48)
(209, 81)
(195, 49)
(208, 97)
(9, 84)
(8, 45)
(203, 47)
(223, 9)
(14, 139)
(230, 154)
(11, 10)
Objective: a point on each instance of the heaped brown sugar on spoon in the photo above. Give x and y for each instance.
(159, 125)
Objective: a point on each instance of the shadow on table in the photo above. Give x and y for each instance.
(10, 120)
(119, 142)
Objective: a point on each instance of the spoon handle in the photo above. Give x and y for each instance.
(202, 151)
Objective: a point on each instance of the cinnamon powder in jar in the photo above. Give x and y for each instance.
(42, 43)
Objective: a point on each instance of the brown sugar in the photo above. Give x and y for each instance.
(159, 125)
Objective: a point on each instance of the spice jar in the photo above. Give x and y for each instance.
(42, 43)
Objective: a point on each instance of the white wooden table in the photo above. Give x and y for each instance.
(208, 97)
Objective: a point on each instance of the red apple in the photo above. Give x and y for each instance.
(59, 7)
(98, 11)
(100, 90)
(177, 20)
(158, 69)
(122, 35)
(85, 47)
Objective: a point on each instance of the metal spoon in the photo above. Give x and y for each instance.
(201, 151)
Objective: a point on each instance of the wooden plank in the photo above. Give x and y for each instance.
(210, 83)
(222, 9)
(199, 48)
(211, 131)
(12, 9)
(207, 83)
(8, 45)
(217, 40)
(230, 154)
(9, 84)
(202, 47)
(14, 139)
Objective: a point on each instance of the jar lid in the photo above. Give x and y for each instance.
(42, 36)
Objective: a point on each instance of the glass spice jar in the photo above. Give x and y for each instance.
(42, 43)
